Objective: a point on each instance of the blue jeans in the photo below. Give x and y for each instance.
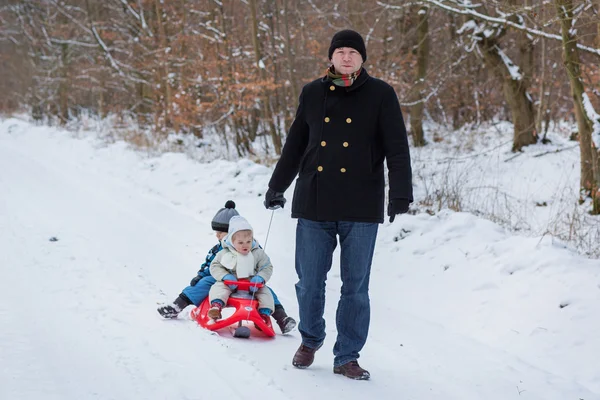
(199, 292)
(315, 243)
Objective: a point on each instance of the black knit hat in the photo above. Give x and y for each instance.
(348, 38)
(220, 222)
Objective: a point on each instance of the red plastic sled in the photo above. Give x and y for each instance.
(246, 309)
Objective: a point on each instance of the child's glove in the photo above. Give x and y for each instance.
(195, 280)
(255, 279)
(230, 277)
(202, 273)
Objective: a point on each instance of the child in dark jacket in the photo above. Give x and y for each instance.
(200, 285)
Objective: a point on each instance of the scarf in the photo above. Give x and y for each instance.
(243, 266)
(342, 79)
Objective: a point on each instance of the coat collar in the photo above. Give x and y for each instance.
(363, 77)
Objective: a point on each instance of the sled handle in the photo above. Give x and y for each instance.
(244, 285)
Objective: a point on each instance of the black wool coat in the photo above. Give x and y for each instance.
(337, 144)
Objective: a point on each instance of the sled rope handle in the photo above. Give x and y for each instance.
(264, 247)
(269, 230)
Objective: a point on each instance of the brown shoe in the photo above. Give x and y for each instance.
(214, 313)
(304, 356)
(353, 371)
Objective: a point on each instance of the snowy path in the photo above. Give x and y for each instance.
(78, 317)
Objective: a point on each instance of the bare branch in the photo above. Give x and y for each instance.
(467, 10)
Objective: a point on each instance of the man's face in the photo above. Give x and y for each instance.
(346, 60)
(242, 242)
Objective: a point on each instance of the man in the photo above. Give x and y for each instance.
(346, 124)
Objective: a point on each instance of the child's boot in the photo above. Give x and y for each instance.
(285, 322)
(172, 310)
(215, 310)
(265, 314)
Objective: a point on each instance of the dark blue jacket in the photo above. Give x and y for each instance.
(204, 270)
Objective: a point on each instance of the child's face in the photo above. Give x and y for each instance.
(220, 235)
(242, 242)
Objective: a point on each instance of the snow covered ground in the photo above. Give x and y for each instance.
(461, 309)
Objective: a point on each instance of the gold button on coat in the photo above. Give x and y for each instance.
(348, 120)
(343, 170)
(332, 88)
(327, 119)
(323, 143)
(320, 168)
(345, 144)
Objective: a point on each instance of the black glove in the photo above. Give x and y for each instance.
(195, 280)
(274, 200)
(397, 206)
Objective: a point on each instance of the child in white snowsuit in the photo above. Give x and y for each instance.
(240, 258)
(200, 286)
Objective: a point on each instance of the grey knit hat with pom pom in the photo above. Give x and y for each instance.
(220, 222)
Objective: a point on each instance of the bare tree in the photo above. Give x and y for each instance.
(416, 120)
(290, 53)
(266, 110)
(215, 68)
(514, 84)
(589, 156)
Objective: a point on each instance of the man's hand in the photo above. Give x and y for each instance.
(397, 206)
(274, 200)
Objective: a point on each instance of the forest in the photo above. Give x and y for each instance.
(234, 68)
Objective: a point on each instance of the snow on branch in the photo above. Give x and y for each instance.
(435, 90)
(315, 7)
(221, 118)
(465, 9)
(139, 16)
(72, 42)
(131, 10)
(384, 11)
(513, 69)
(400, 7)
(60, 9)
(485, 30)
(106, 51)
(469, 25)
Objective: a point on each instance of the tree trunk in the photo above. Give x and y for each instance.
(385, 53)
(416, 118)
(267, 112)
(355, 14)
(275, 101)
(598, 23)
(515, 93)
(63, 86)
(102, 111)
(289, 53)
(526, 47)
(589, 156)
(228, 81)
(542, 96)
(164, 70)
